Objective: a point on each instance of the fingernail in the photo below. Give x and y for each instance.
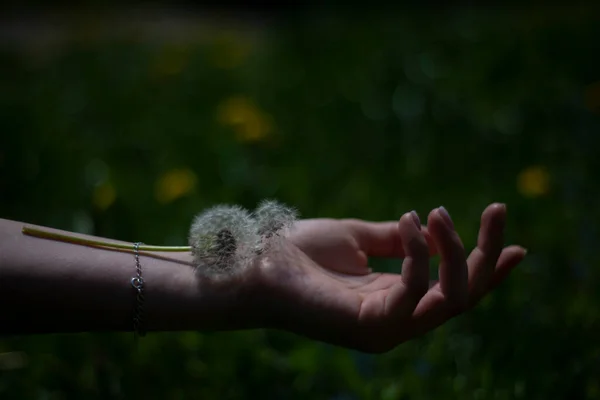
(415, 218)
(446, 217)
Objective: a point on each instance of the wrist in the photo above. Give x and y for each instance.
(177, 299)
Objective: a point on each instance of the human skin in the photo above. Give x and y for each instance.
(315, 282)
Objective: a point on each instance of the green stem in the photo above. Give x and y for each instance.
(40, 233)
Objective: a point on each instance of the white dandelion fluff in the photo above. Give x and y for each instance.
(223, 239)
(273, 219)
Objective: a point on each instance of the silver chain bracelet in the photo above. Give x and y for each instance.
(138, 284)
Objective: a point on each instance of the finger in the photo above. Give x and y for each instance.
(432, 311)
(482, 260)
(415, 267)
(404, 297)
(382, 239)
(453, 272)
(510, 257)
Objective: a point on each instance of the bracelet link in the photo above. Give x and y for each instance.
(137, 282)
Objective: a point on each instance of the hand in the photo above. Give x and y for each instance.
(318, 283)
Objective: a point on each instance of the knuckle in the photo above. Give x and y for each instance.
(352, 223)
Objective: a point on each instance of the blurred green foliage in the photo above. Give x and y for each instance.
(369, 117)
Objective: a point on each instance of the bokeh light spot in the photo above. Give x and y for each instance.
(174, 184)
(249, 122)
(104, 195)
(533, 181)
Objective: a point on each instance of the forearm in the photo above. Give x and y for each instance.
(49, 286)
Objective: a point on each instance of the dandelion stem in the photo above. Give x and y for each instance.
(40, 233)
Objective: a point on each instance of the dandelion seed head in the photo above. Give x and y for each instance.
(273, 217)
(223, 238)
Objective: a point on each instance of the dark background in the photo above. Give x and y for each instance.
(125, 122)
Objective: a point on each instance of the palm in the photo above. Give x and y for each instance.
(333, 245)
(328, 288)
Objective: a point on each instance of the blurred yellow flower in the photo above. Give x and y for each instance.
(174, 184)
(249, 122)
(104, 195)
(533, 181)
